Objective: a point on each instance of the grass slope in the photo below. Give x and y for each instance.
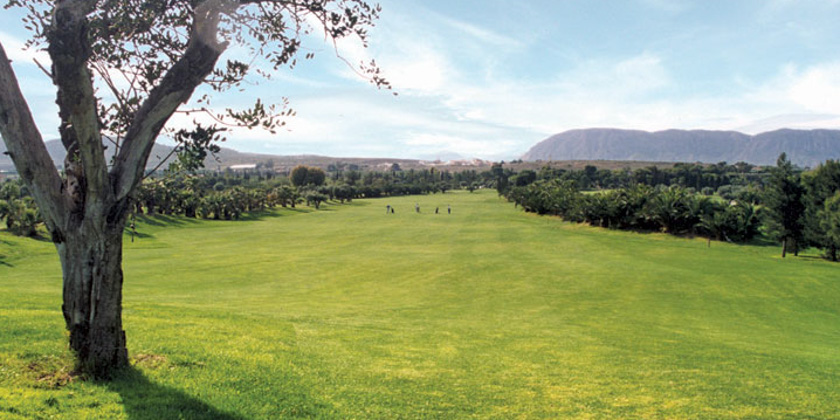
(485, 313)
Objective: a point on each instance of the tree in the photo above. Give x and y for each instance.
(344, 193)
(670, 209)
(830, 221)
(820, 185)
(22, 217)
(307, 175)
(524, 178)
(316, 176)
(299, 175)
(315, 198)
(121, 69)
(713, 222)
(783, 200)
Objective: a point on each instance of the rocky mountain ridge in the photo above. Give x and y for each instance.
(803, 147)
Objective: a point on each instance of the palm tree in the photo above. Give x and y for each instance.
(668, 208)
(713, 222)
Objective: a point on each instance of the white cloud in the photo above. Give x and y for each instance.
(592, 93)
(481, 34)
(817, 89)
(17, 51)
(420, 68)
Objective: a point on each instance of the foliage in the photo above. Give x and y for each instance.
(19, 209)
(829, 219)
(229, 195)
(785, 208)
(739, 181)
(315, 198)
(820, 185)
(651, 198)
(668, 209)
(302, 176)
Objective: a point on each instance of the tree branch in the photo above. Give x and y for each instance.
(175, 88)
(26, 146)
(69, 49)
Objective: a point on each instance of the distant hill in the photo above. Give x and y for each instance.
(225, 158)
(229, 157)
(443, 156)
(803, 147)
(57, 153)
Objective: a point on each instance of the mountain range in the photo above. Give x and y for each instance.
(229, 157)
(806, 148)
(57, 153)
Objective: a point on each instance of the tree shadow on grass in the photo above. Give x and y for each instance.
(3, 257)
(263, 214)
(162, 220)
(764, 241)
(359, 203)
(145, 400)
(127, 233)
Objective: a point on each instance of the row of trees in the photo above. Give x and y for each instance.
(672, 209)
(798, 209)
(804, 208)
(396, 181)
(230, 195)
(730, 180)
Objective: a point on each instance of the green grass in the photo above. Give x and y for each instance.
(485, 313)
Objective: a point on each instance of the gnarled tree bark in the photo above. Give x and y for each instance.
(91, 260)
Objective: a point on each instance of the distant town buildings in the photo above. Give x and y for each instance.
(246, 167)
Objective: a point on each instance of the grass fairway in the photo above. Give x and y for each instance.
(484, 313)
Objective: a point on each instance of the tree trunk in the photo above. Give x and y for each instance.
(91, 259)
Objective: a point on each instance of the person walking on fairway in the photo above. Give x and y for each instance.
(436, 210)
(417, 207)
(388, 209)
(449, 209)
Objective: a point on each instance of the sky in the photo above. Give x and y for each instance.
(491, 78)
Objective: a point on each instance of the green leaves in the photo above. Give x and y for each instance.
(194, 144)
(18, 210)
(783, 201)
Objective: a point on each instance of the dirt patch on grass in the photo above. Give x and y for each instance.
(151, 361)
(48, 375)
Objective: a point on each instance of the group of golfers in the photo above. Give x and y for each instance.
(389, 209)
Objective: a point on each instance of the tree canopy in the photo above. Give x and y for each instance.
(784, 204)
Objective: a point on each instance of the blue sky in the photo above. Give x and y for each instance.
(491, 78)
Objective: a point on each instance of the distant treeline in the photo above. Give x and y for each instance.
(721, 178)
(723, 202)
(228, 195)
